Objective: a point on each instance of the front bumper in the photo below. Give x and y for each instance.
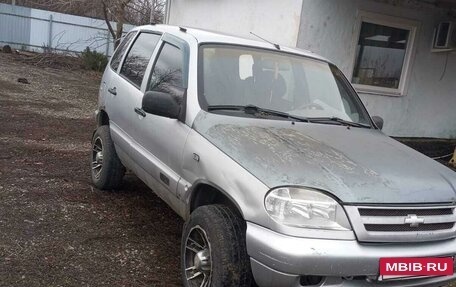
(280, 260)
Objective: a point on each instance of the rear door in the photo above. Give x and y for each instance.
(113, 68)
(125, 92)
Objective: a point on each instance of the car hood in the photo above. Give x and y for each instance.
(357, 165)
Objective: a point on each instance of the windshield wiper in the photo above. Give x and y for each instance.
(339, 121)
(253, 110)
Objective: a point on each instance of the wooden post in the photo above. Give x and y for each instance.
(50, 33)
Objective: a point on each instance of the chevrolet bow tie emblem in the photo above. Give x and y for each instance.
(414, 220)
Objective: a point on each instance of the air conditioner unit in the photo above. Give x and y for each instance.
(444, 37)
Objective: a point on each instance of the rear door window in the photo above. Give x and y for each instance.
(117, 57)
(138, 58)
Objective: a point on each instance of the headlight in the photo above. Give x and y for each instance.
(307, 208)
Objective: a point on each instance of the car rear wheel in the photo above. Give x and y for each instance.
(213, 249)
(106, 169)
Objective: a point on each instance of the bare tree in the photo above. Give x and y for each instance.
(136, 12)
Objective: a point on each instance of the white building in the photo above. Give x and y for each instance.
(383, 46)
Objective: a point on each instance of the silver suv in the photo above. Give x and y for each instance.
(281, 175)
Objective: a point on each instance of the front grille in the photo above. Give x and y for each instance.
(405, 212)
(407, 228)
(402, 224)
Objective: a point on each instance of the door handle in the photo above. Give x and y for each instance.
(140, 112)
(112, 91)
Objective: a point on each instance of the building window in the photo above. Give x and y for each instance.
(384, 46)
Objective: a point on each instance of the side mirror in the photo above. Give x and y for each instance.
(161, 104)
(378, 122)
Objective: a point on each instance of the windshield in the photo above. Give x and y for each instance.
(296, 85)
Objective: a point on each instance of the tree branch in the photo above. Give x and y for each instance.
(108, 23)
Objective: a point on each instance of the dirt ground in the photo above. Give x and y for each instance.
(55, 228)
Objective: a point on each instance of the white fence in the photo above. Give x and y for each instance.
(36, 30)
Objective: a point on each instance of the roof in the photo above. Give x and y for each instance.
(205, 36)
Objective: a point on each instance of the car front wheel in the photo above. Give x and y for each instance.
(213, 250)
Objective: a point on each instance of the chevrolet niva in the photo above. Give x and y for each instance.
(270, 157)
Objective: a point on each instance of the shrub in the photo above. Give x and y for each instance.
(7, 49)
(92, 60)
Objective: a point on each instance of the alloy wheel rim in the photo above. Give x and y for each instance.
(197, 258)
(97, 157)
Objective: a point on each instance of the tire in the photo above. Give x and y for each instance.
(106, 169)
(226, 251)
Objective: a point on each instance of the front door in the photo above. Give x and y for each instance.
(162, 137)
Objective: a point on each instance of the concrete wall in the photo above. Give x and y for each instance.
(277, 21)
(33, 29)
(429, 107)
